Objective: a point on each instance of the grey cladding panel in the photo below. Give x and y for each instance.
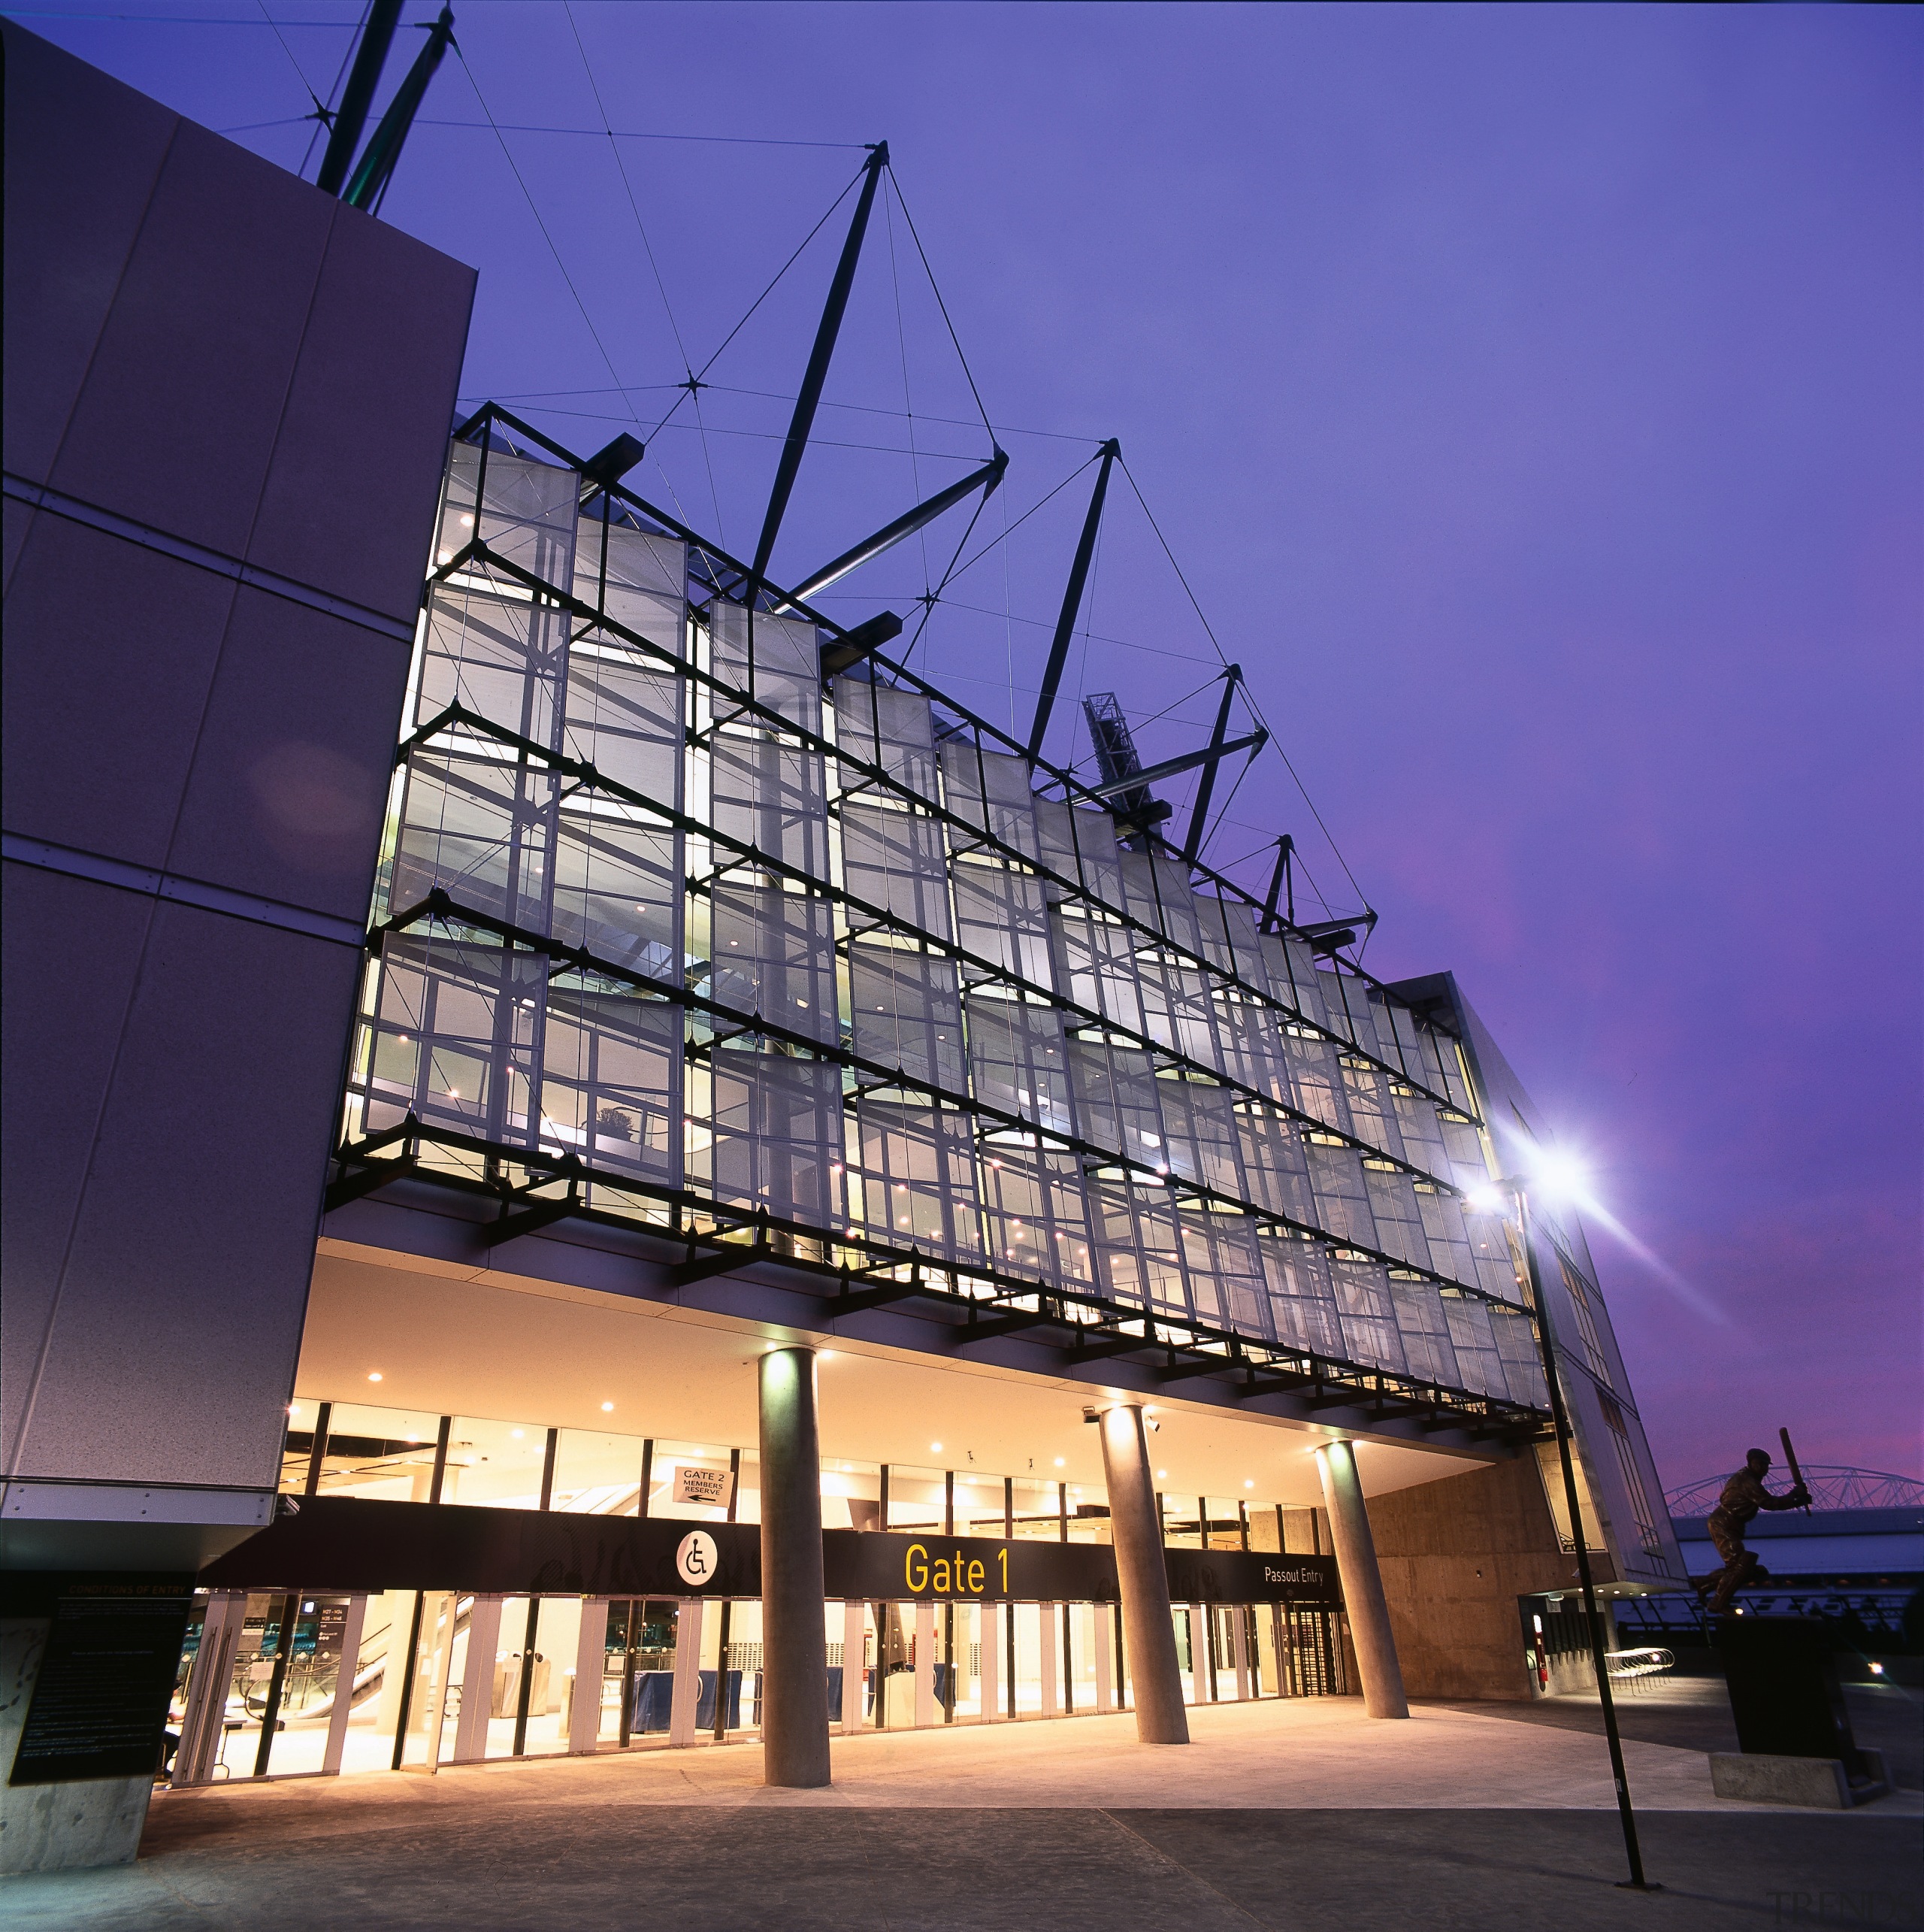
(180, 1313)
(109, 654)
(65, 1005)
(291, 772)
(350, 502)
(75, 204)
(16, 520)
(177, 421)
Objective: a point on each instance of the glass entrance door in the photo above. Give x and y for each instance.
(638, 1672)
(1230, 1634)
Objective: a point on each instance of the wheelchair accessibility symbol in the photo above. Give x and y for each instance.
(697, 1559)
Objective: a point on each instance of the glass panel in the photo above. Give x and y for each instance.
(556, 1638)
(979, 1501)
(856, 1671)
(775, 1127)
(747, 1489)
(852, 1495)
(1182, 1522)
(438, 1653)
(313, 1680)
(917, 1499)
(1027, 1620)
(1269, 1674)
(744, 1666)
(911, 1178)
(1426, 1335)
(1088, 1514)
(638, 1673)
(598, 1474)
(1224, 1523)
(254, 1655)
(1038, 1510)
(386, 1453)
(1370, 1333)
(895, 1708)
(297, 1446)
(496, 1465)
(1190, 1655)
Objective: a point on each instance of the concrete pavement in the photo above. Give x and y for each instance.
(1301, 1814)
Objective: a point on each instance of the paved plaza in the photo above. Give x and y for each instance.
(1302, 1816)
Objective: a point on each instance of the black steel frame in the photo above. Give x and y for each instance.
(699, 1236)
(1075, 789)
(441, 904)
(871, 1273)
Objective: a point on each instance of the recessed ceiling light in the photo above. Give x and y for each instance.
(375, 1376)
(1161, 1472)
(935, 1448)
(1058, 1462)
(607, 1408)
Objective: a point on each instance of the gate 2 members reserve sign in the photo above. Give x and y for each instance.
(348, 1544)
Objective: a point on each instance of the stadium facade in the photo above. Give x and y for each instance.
(595, 1164)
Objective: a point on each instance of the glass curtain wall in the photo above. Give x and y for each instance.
(656, 895)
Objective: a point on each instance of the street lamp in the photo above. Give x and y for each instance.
(1518, 1190)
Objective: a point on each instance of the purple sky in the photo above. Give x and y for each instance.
(1533, 399)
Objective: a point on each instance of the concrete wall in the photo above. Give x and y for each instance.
(227, 399)
(1456, 1556)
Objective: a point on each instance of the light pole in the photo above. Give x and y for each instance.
(1560, 1420)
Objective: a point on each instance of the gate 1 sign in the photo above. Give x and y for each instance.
(347, 1543)
(860, 1564)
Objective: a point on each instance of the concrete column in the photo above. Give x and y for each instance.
(1148, 1633)
(794, 1685)
(1362, 1583)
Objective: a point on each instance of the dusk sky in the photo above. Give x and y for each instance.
(1532, 399)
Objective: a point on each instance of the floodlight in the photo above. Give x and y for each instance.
(1556, 1178)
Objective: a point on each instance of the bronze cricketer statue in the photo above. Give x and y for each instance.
(1743, 1495)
